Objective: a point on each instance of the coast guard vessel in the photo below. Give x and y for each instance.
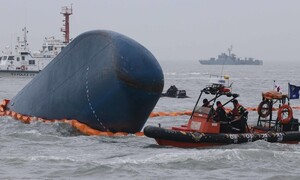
(22, 62)
(230, 59)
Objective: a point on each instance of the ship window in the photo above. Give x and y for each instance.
(4, 57)
(23, 57)
(0, 58)
(31, 61)
(11, 57)
(50, 48)
(18, 58)
(202, 110)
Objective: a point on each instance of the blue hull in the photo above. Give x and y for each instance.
(103, 79)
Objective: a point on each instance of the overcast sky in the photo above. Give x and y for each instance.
(185, 30)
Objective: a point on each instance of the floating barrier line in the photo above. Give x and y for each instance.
(179, 113)
(83, 128)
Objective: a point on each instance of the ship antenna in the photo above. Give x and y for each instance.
(10, 44)
(25, 38)
(66, 29)
(229, 50)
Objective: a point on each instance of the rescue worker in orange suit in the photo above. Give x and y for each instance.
(238, 117)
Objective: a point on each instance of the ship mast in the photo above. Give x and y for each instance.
(25, 38)
(21, 46)
(66, 29)
(229, 50)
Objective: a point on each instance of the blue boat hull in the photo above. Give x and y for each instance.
(102, 78)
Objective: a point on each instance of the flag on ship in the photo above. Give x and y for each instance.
(294, 91)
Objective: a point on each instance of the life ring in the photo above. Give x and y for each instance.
(22, 67)
(282, 112)
(264, 109)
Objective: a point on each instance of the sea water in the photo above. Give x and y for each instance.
(58, 151)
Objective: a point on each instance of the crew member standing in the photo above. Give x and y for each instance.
(220, 114)
(238, 114)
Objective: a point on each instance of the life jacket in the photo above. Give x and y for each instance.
(238, 110)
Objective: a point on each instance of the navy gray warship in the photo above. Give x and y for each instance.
(230, 59)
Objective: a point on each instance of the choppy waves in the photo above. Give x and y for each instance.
(58, 151)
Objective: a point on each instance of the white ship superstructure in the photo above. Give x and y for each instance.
(21, 61)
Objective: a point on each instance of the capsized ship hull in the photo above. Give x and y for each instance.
(102, 78)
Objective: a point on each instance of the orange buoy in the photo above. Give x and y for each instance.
(139, 133)
(14, 115)
(89, 131)
(2, 109)
(19, 116)
(281, 113)
(5, 102)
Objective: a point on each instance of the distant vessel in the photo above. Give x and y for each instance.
(230, 59)
(174, 93)
(23, 63)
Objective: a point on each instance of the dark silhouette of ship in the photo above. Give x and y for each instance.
(174, 93)
(230, 59)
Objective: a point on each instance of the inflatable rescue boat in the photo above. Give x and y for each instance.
(204, 129)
